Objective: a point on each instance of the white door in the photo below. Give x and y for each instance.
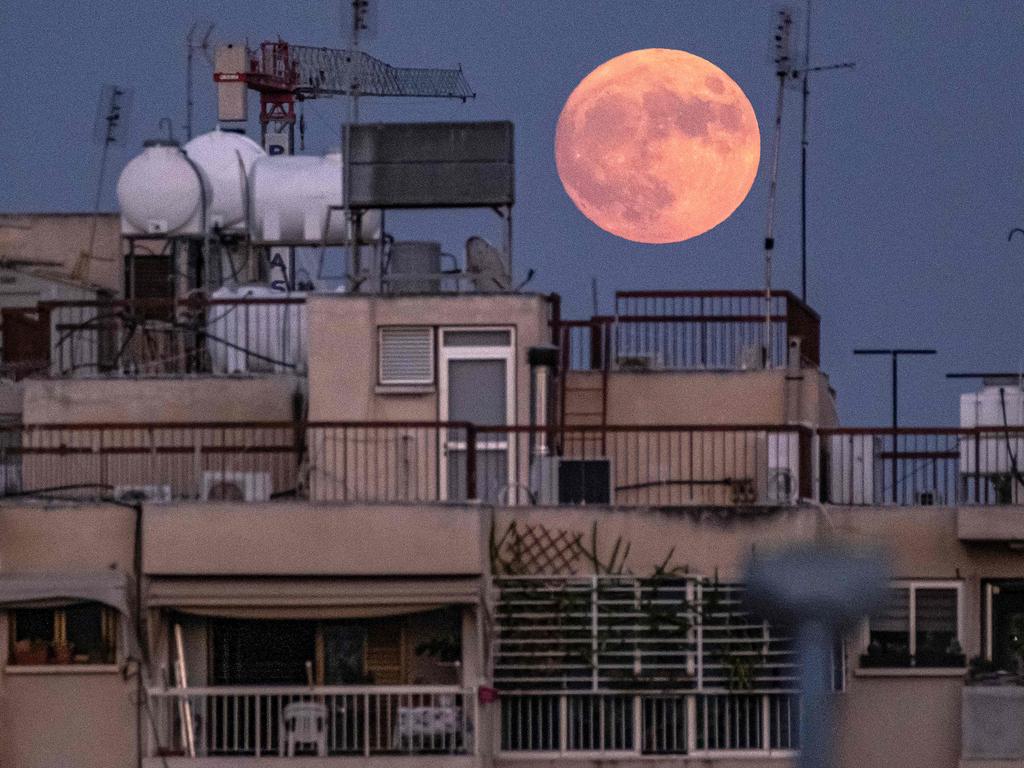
(477, 386)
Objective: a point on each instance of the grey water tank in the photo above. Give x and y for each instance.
(414, 267)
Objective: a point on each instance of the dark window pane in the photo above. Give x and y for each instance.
(890, 625)
(936, 625)
(86, 636)
(33, 624)
(477, 338)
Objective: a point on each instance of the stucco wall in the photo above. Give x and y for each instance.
(736, 397)
(285, 538)
(60, 237)
(67, 720)
(343, 349)
(159, 400)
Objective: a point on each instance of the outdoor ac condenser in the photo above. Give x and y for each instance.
(232, 485)
(558, 480)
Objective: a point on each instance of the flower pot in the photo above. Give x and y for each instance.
(31, 656)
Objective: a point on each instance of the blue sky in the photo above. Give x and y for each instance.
(915, 170)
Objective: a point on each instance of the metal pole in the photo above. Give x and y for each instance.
(803, 159)
(769, 240)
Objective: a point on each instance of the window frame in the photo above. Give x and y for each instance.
(109, 631)
(912, 586)
(426, 382)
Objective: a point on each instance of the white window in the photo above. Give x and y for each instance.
(406, 355)
(920, 624)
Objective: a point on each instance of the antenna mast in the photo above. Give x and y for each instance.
(803, 73)
(191, 46)
(783, 66)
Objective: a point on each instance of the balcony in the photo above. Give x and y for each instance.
(157, 337)
(429, 462)
(211, 726)
(693, 331)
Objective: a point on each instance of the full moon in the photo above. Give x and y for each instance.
(657, 146)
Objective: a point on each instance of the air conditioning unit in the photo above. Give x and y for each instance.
(231, 485)
(782, 478)
(751, 358)
(927, 498)
(556, 480)
(855, 476)
(150, 494)
(645, 362)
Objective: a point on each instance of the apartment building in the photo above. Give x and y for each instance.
(470, 531)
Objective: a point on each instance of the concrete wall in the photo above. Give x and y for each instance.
(159, 400)
(60, 237)
(82, 717)
(285, 538)
(735, 397)
(342, 335)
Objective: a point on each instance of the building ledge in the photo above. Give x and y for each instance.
(911, 672)
(62, 669)
(995, 524)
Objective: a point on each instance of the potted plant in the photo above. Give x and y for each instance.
(30, 652)
(879, 657)
(63, 653)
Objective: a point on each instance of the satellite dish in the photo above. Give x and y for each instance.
(487, 266)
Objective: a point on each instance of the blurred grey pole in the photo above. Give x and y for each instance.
(820, 592)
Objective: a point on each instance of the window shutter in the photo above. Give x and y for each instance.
(407, 355)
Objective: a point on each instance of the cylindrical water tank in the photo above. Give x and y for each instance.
(414, 267)
(162, 193)
(291, 196)
(225, 159)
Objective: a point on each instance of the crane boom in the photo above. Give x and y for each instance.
(338, 72)
(284, 74)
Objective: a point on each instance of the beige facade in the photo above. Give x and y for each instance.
(362, 578)
(61, 237)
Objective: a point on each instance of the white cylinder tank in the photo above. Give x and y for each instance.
(161, 192)
(254, 329)
(291, 196)
(225, 159)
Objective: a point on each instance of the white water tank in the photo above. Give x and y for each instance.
(161, 192)
(291, 195)
(997, 410)
(256, 329)
(225, 159)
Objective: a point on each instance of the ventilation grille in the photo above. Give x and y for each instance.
(407, 355)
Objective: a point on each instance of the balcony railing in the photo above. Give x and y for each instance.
(153, 337)
(323, 721)
(644, 723)
(923, 466)
(413, 462)
(628, 665)
(692, 330)
(431, 462)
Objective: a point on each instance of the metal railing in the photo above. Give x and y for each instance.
(650, 723)
(436, 462)
(412, 462)
(152, 337)
(324, 721)
(923, 466)
(691, 330)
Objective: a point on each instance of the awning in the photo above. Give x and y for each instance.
(308, 598)
(35, 590)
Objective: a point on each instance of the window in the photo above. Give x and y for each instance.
(918, 625)
(83, 633)
(406, 355)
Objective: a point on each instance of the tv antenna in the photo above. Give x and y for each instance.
(194, 42)
(111, 128)
(802, 73)
(782, 57)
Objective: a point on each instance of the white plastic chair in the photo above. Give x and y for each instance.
(303, 724)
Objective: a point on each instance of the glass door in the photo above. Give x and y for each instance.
(476, 377)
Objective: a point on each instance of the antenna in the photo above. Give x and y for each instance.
(803, 74)
(191, 46)
(783, 66)
(895, 354)
(111, 128)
